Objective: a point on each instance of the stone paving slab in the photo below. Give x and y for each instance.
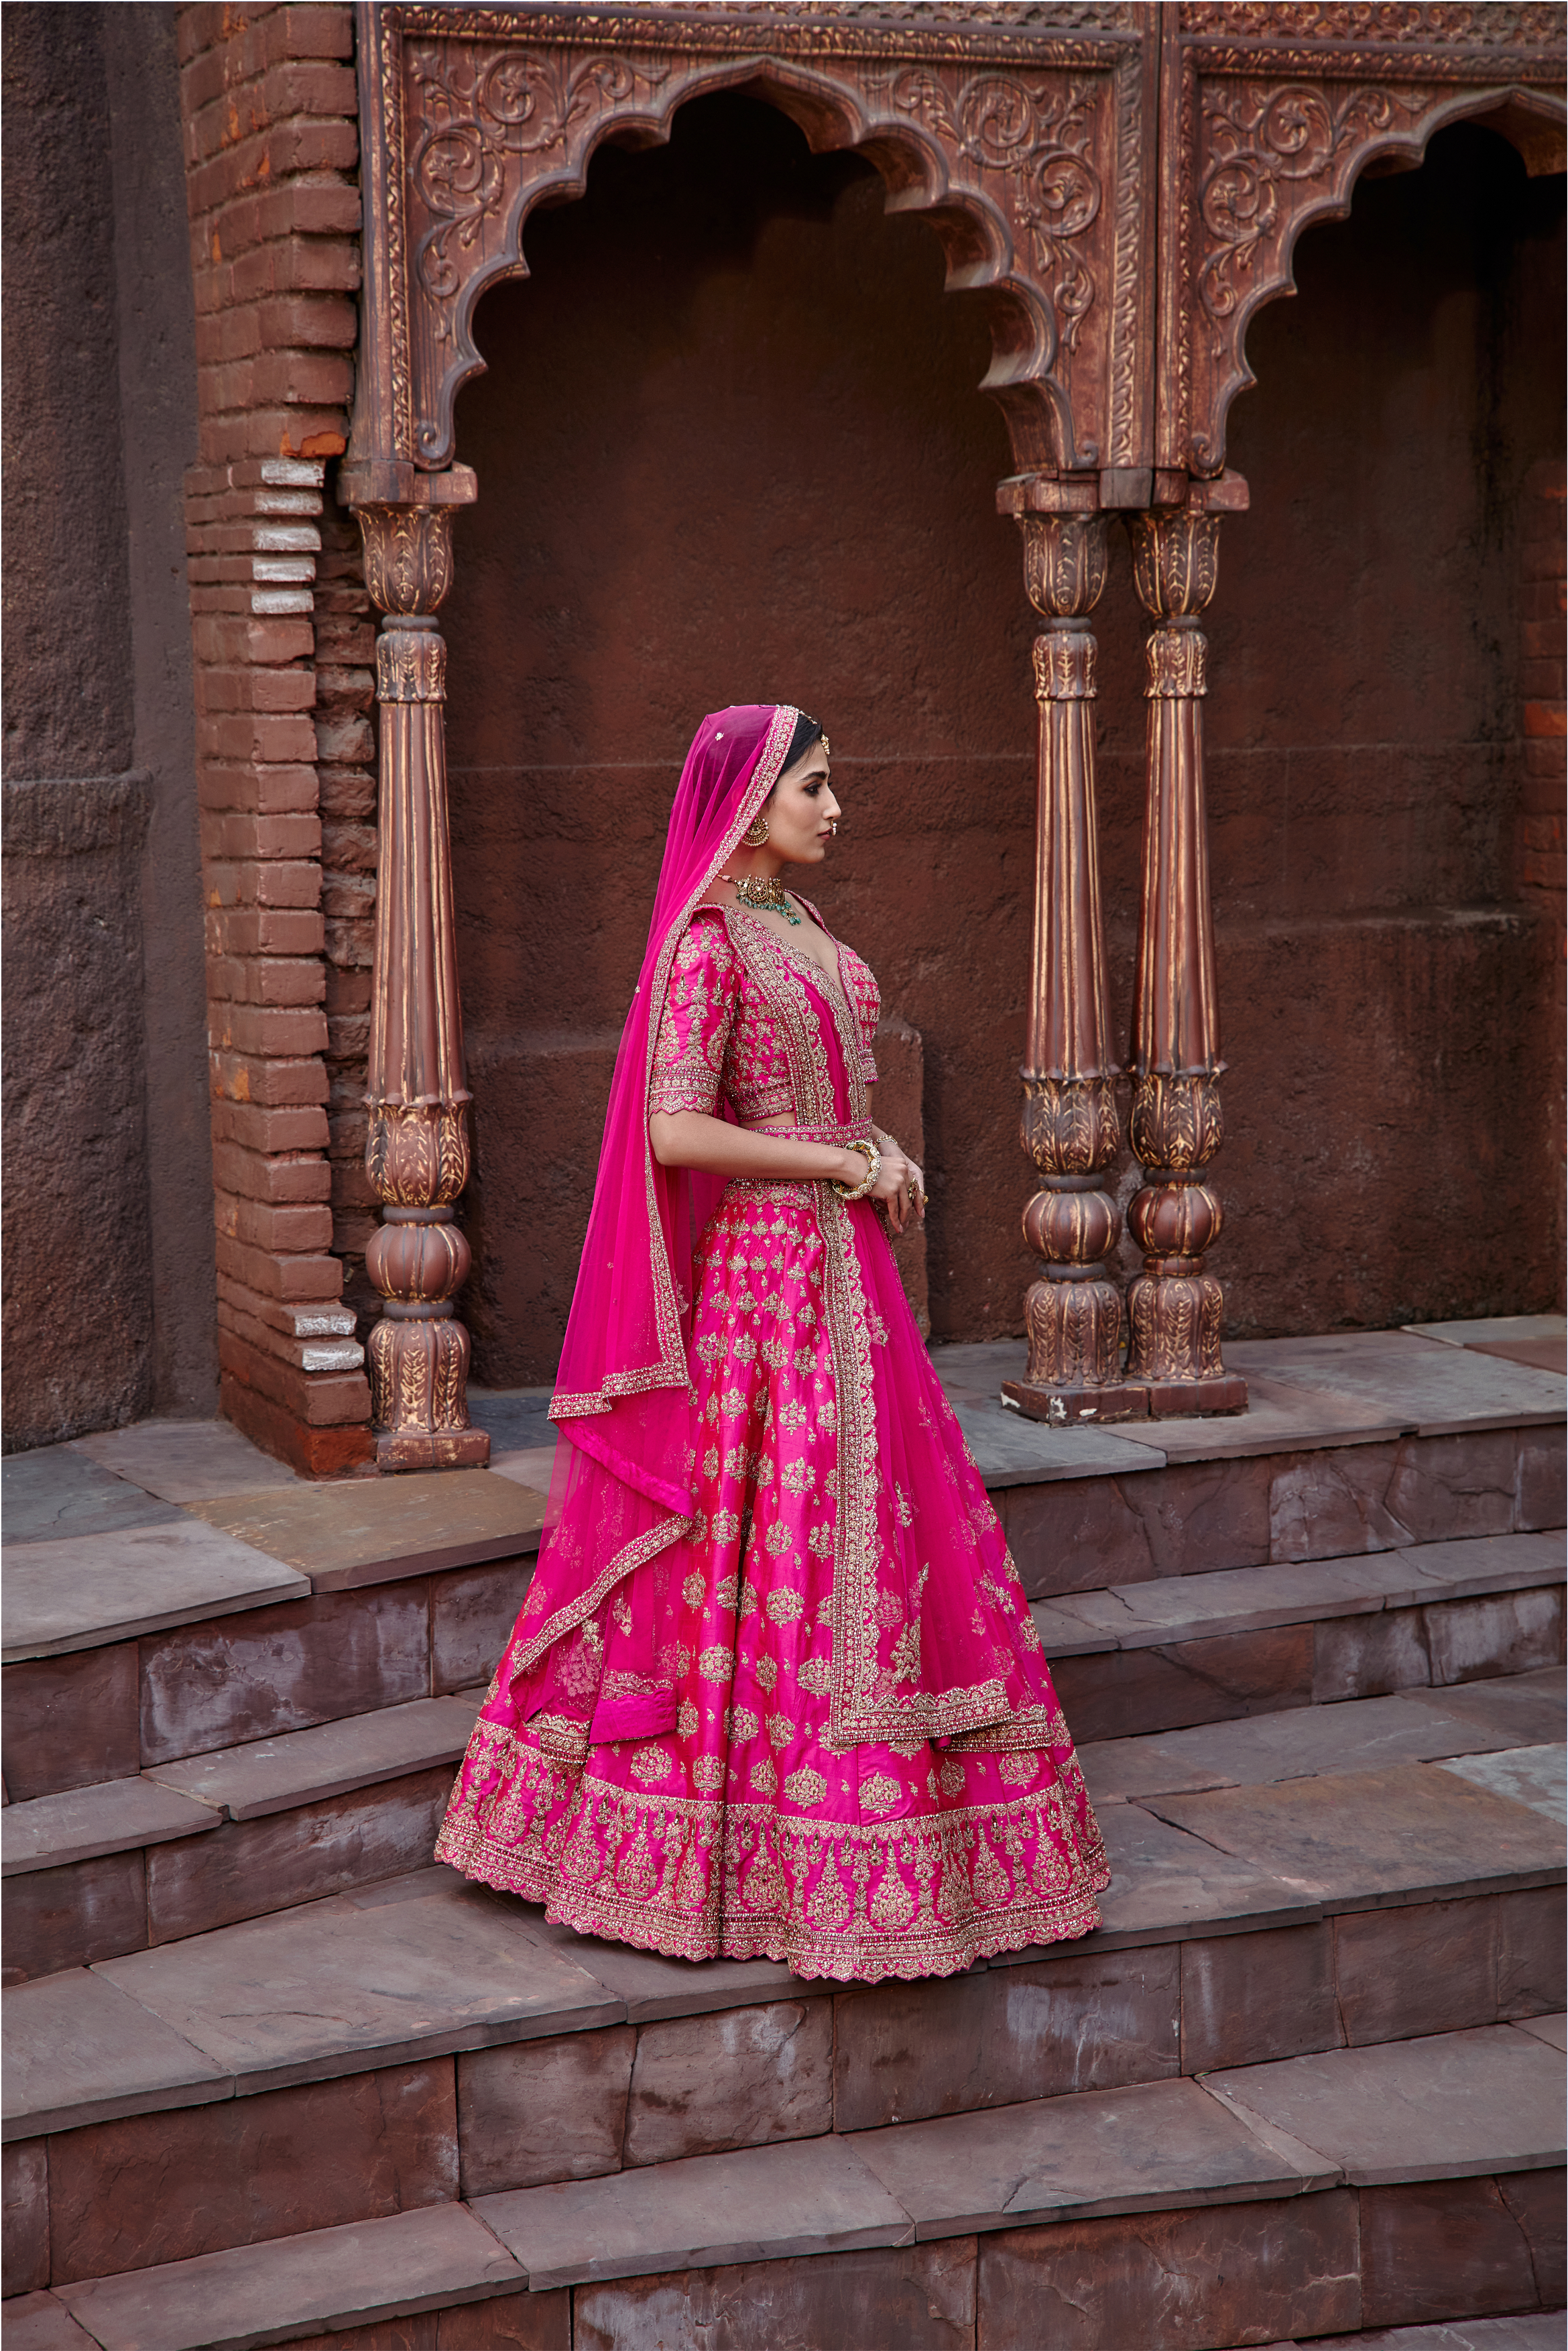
(652, 1986)
(81, 1591)
(1358, 1734)
(326, 2280)
(1434, 1391)
(1536, 2330)
(1489, 1329)
(1010, 1450)
(512, 1417)
(77, 2050)
(1553, 2029)
(1536, 1776)
(55, 1491)
(533, 1466)
(312, 1993)
(1538, 1354)
(1527, 1709)
(186, 1460)
(112, 1817)
(1281, 1418)
(1145, 2149)
(1361, 1839)
(1165, 1882)
(1253, 1598)
(1452, 2105)
(373, 1530)
(301, 1767)
(37, 2322)
(765, 2203)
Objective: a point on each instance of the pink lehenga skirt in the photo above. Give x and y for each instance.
(747, 1830)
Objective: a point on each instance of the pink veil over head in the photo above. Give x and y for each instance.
(622, 1487)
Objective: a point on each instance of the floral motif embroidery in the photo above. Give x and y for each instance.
(805, 1787)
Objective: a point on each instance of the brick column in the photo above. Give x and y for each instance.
(270, 119)
(1540, 861)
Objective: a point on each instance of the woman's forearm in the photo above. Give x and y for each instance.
(688, 1138)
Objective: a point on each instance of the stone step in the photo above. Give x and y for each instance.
(191, 1846)
(116, 1868)
(392, 2046)
(172, 1593)
(1371, 2187)
(1185, 1650)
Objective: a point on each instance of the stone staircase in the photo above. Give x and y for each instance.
(274, 2078)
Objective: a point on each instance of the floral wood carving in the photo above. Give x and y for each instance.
(1035, 180)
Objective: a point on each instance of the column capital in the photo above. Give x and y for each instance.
(1064, 561)
(1176, 559)
(408, 557)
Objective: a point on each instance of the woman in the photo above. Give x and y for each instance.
(774, 1688)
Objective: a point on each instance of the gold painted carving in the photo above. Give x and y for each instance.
(1065, 666)
(1176, 1122)
(416, 1153)
(1074, 1331)
(407, 556)
(1176, 1322)
(410, 666)
(1069, 1125)
(1177, 665)
(1176, 559)
(1064, 561)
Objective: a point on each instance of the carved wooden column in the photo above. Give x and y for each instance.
(1175, 1307)
(1073, 1312)
(416, 1149)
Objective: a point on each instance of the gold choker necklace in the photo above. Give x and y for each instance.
(764, 892)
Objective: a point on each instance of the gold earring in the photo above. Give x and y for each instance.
(756, 833)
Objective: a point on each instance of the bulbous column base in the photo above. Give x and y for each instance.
(419, 1378)
(1074, 1322)
(1176, 1318)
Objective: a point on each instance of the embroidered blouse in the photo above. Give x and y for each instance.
(721, 1036)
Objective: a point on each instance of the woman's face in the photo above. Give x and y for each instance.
(802, 812)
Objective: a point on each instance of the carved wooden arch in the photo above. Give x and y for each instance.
(1027, 157)
(1263, 138)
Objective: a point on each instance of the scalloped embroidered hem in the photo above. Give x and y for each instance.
(855, 1951)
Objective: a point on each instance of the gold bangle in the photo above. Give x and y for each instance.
(873, 1169)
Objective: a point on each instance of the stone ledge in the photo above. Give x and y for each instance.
(299, 1767)
(83, 1592)
(116, 1816)
(1247, 1599)
(328, 2279)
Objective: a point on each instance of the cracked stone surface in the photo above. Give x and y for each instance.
(761, 2203)
(330, 2276)
(1448, 2107)
(328, 1988)
(1102, 2152)
(1365, 1837)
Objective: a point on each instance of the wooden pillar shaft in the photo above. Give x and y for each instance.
(1175, 1307)
(416, 1149)
(1074, 1311)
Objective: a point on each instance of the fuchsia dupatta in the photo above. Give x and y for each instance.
(621, 1492)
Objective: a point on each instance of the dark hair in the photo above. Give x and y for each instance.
(807, 731)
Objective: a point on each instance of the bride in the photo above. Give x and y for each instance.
(774, 1689)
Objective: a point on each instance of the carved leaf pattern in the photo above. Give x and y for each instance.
(1431, 22)
(478, 106)
(1259, 138)
(1038, 137)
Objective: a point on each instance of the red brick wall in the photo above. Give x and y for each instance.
(1539, 841)
(270, 120)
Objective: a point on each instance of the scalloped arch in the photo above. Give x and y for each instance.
(1026, 166)
(1500, 108)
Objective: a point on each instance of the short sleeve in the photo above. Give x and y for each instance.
(698, 1013)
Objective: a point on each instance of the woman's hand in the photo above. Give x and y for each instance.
(901, 1184)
